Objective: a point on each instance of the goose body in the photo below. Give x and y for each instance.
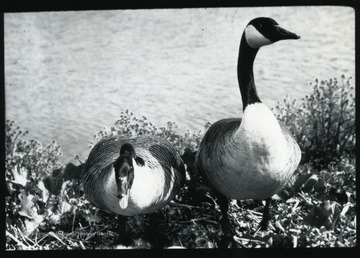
(254, 156)
(248, 158)
(156, 179)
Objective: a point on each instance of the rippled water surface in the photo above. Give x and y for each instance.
(68, 74)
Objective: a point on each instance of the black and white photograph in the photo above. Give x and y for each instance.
(180, 128)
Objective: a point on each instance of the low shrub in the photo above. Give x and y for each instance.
(131, 126)
(323, 123)
(28, 167)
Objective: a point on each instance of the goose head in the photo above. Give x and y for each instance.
(259, 32)
(265, 31)
(124, 168)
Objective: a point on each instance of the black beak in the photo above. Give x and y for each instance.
(282, 34)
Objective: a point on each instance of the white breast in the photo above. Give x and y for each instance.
(260, 128)
(150, 191)
(257, 164)
(149, 187)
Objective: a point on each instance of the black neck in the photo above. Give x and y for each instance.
(246, 74)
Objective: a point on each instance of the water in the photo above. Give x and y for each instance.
(68, 74)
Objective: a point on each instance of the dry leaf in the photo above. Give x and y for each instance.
(45, 194)
(20, 175)
(29, 211)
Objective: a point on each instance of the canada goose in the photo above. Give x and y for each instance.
(131, 176)
(252, 157)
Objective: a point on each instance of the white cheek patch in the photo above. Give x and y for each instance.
(254, 38)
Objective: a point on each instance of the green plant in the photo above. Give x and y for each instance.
(131, 126)
(324, 122)
(27, 164)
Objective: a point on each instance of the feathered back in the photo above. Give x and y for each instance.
(213, 147)
(217, 134)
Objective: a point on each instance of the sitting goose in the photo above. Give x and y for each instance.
(252, 157)
(132, 176)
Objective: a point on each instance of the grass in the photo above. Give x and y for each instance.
(316, 209)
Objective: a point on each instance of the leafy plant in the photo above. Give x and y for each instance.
(324, 122)
(131, 126)
(27, 164)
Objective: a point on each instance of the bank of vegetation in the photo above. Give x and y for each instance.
(47, 210)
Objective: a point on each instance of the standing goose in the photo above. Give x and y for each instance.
(132, 176)
(252, 157)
